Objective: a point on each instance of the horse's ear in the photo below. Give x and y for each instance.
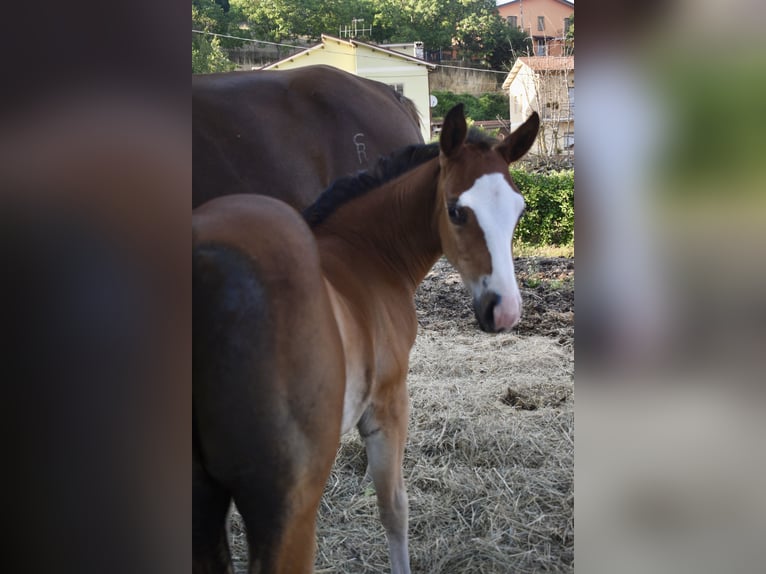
(518, 143)
(453, 131)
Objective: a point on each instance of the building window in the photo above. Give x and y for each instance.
(540, 47)
(567, 25)
(541, 23)
(398, 88)
(551, 109)
(513, 21)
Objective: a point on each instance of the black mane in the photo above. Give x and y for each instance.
(344, 189)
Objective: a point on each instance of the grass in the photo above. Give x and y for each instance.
(525, 250)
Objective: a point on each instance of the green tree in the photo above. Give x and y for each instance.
(281, 20)
(477, 30)
(207, 56)
(207, 52)
(411, 20)
(473, 26)
(518, 44)
(484, 107)
(569, 38)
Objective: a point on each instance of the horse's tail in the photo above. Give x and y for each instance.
(228, 335)
(228, 326)
(231, 354)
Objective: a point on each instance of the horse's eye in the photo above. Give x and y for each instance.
(457, 215)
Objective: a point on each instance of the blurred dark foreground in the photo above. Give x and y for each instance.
(96, 303)
(95, 297)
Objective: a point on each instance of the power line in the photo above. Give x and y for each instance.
(330, 51)
(246, 39)
(474, 69)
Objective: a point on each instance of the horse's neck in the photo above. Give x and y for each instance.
(390, 234)
(375, 250)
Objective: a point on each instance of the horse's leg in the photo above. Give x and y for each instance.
(281, 524)
(385, 433)
(210, 504)
(296, 554)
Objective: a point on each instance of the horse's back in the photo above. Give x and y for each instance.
(289, 134)
(268, 371)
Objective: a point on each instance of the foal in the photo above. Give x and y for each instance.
(301, 334)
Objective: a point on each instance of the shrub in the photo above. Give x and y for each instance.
(494, 105)
(549, 217)
(485, 107)
(207, 56)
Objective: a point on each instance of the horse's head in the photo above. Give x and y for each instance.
(480, 208)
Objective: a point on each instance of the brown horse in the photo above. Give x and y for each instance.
(343, 123)
(302, 333)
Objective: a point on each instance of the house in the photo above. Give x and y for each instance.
(545, 21)
(544, 84)
(407, 74)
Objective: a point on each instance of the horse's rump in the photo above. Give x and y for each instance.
(267, 375)
(289, 134)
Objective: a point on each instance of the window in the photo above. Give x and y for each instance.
(551, 110)
(569, 140)
(540, 48)
(541, 23)
(513, 21)
(567, 25)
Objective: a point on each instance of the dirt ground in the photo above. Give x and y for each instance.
(547, 289)
(489, 463)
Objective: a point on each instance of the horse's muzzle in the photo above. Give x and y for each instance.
(495, 314)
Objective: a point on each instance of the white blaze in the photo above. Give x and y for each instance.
(497, 207)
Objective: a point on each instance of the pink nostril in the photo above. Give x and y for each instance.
(506, 316)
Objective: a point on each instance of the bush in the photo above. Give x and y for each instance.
(485, 107)
(208, 57)
(549, 218)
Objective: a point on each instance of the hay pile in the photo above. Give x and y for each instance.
(489, 460)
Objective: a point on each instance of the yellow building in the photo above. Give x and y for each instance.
(407, 74)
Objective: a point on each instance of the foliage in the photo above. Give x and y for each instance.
(549, 216)
(473, 27)
(408, 20)
(569, 38)
(484, 36)
(208, 57)
(285, 19)
(518, 44)
(485, 107)
(207, 51)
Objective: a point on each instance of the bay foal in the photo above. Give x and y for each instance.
(302, 333)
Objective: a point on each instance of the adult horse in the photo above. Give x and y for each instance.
(339, 124)
(302, 332)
